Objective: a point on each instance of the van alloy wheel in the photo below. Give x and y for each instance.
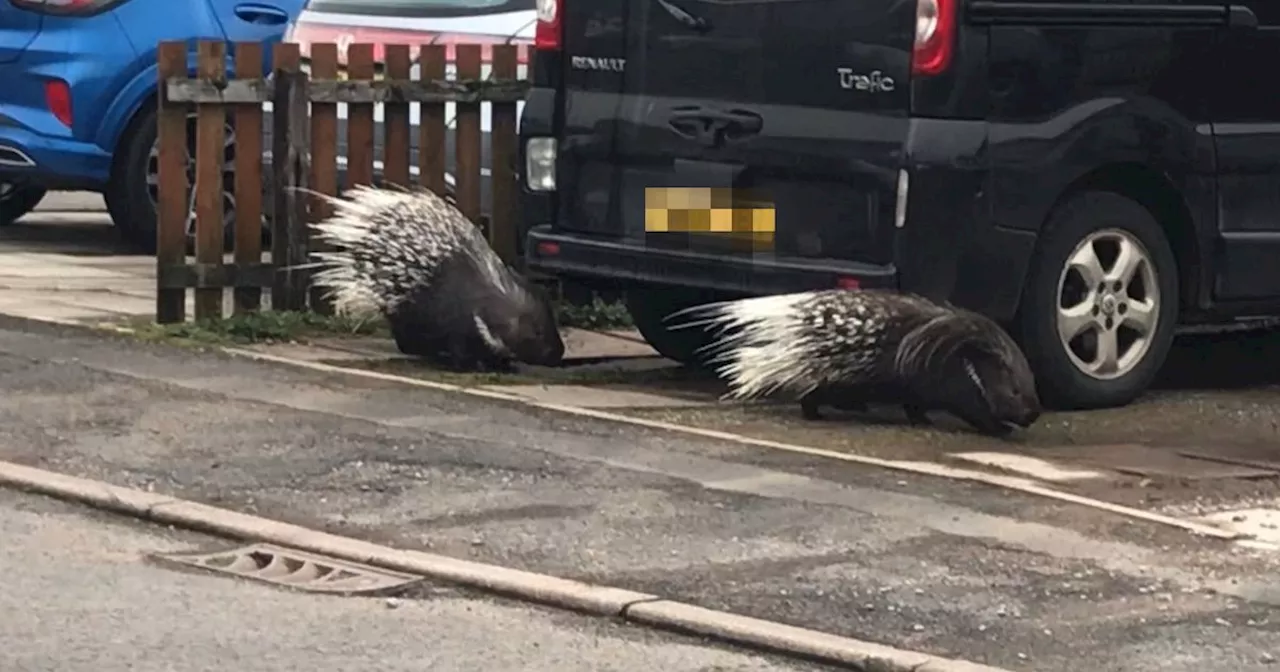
(1100, 302)
(1108, 304)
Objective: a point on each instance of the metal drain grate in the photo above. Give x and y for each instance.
(297, 569)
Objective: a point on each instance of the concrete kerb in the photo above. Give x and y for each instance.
(639, 608)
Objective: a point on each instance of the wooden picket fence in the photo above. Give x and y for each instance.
(304, 154)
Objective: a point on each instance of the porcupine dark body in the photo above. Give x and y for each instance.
(413, 257)
(848, 348)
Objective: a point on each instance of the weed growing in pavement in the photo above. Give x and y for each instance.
(262, 327)
(270, 326)
(599, 314)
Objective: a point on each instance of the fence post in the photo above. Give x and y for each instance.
(172, 208)
(211, 119)
(502, 221)
(300, 158)
(288, 134)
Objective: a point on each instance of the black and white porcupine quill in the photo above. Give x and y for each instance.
(846, 348)
(413, 257)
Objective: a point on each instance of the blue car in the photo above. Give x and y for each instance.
(78, 95)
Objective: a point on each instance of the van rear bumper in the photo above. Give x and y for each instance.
(614, 261)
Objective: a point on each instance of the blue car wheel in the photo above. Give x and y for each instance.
(17, 200)
(133, 193)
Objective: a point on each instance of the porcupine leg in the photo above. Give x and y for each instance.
(416, 341)
(985, 425)
(464, 355)
(809, 405)
(844, 399)
(916, 414)
(468, 354)
(492, 363)
(409, 339)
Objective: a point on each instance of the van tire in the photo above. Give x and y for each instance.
(649, 305)
(1097, 222)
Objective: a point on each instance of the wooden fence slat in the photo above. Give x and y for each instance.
(324, 155)
(502, 153)
(171, 205)
(299, 109)
(395, 152)
(360, 152)
(284, 59)
(431, 147)
(466, 139)
(211, 120)
(248, 129)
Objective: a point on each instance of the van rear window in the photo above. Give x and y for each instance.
(421, 8)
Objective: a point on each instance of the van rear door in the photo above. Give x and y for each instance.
(801, 103)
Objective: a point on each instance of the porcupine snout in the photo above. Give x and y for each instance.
(544, 346)
(986, 381)
(1022, 412)
(1006, 394)
(537, 338)
(1020, 403)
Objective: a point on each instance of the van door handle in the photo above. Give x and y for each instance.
(680, 14)
(261, 14)
(711, 127)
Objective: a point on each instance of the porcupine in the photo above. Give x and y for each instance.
(413, 257)
(846, 348)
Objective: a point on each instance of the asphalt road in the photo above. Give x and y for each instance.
(920, 563)
(80, 595)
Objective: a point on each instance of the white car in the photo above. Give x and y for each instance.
(416, 23)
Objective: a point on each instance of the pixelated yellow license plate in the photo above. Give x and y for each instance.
(732, 213)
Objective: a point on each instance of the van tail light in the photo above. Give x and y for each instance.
(935, 36)
(549, 32)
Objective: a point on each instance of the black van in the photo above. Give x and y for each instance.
(1091, 174)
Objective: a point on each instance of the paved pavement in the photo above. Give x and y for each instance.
(81, 596)
(920, 563)
(65, 261)
(72, 265)
(72, 201)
